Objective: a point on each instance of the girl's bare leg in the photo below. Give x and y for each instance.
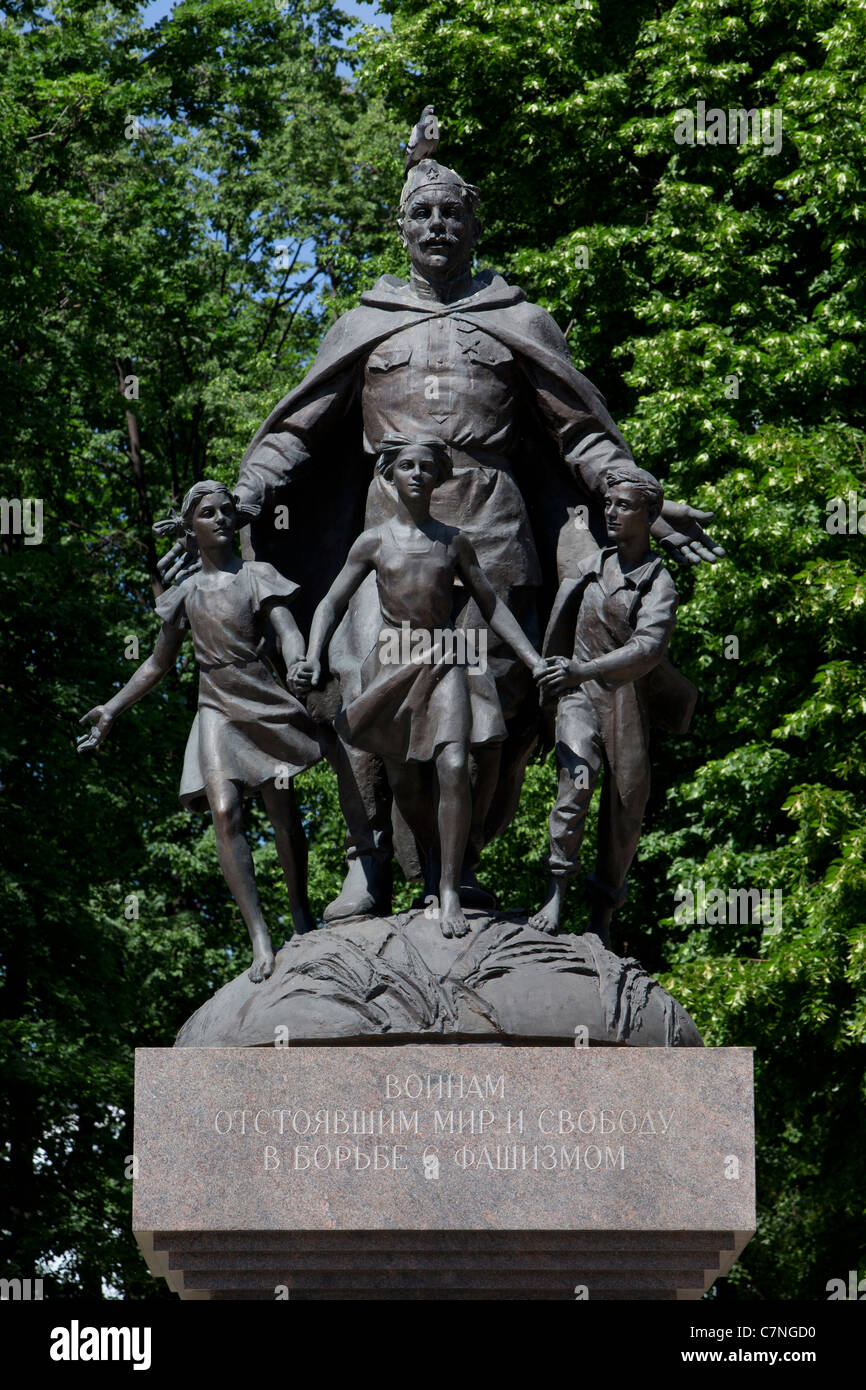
(484, 778)
(291, 842)
(226, 804)
(455, 811)
(411, 785)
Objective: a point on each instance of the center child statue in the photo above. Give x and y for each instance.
(421, 703)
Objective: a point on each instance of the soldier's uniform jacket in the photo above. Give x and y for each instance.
(530, 438)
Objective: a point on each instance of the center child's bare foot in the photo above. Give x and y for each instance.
(548, 916)
(262, 967)
(451, 919)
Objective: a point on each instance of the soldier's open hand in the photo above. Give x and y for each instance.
(687, 541)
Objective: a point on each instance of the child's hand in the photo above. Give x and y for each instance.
(101, 721)
(306, 675)
(297, 677)
(558, 676)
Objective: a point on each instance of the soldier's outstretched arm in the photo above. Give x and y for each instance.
(286, 445)
(574, 412)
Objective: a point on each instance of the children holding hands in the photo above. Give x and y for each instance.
(604, 666)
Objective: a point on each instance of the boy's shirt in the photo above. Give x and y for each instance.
(621, 624)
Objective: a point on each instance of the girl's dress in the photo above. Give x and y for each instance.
(407, 710)
(248, 728)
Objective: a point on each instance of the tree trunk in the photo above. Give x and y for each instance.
(145, 515)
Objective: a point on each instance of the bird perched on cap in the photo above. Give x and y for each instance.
(424, 140)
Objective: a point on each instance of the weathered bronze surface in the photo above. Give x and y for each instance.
(455, 487)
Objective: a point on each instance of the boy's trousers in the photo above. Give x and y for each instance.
(598, 728)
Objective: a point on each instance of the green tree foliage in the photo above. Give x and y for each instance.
(715, 293)
(189, 206)
(176, 210)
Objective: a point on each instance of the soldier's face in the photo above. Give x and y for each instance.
(626, 514)
(439, 230)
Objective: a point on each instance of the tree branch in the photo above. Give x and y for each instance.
(123, 370)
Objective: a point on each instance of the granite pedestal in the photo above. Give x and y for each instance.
(443, 1170)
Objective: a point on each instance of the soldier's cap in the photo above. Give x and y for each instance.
(431, 174)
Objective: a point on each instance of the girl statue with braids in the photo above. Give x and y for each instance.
(250, 734)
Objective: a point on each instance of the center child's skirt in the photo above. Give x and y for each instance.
(407, 711)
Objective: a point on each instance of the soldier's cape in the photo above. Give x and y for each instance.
(329, 486)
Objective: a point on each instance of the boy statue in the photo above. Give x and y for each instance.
(605, 665)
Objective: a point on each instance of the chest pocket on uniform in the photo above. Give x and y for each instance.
(387, 359)
(490, 354)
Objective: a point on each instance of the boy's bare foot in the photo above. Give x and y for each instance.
(549, 915)
(262, 966)
(600, 915)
